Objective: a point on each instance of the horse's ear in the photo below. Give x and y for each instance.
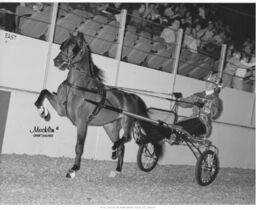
(80, 38)
(71, 35)
(74, 34)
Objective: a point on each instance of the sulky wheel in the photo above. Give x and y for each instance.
(207, 168)
(147, 156)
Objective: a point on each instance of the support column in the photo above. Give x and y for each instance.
(177, 58)
(222, 59)
(50, 41)
(120, 42)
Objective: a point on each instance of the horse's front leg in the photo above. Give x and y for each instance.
(120, 154)
(81, 134)
(52, 98)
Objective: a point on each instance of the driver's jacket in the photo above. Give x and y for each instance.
(211, 110)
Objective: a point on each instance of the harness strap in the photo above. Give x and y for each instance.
(99, 105)
(80, 88)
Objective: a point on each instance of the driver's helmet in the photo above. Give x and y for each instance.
(214, 78)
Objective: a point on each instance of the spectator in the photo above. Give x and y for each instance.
(137, 16)
(169, 34)
(219, 38)
(188, 17)
(230, 69)
(189, 41)
(209, 32)
(169, 12)
(151, 12)
(243, 73)
(230, 50)
(201, 12)
(197, 33)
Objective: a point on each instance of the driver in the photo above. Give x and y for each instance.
(206, 106)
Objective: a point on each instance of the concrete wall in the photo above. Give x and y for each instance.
(233, 134)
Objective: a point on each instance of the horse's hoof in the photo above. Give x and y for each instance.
(48, 117)
(37, 104)
(41, 111)
(114, 155)
(71, 174)
(113, 174)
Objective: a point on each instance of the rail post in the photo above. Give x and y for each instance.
(176, 61)
(176, 58)
(222, 60)
(120, 42)
(50, 41)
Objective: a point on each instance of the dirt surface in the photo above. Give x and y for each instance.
(40, 179)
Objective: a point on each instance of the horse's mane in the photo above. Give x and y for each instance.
(95, 71)
(98, 73)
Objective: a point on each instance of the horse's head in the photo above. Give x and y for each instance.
(73, 50)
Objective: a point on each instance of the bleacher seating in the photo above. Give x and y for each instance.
(168, 66)
(22, 14)
(38, 23)
(139, 53)
(102, 43)
(158, 44)
(100, 19)
(156, 61)
(144, 37)
(131, 28)
(128, 43)
(203, 68)
(101, 33)
(67, 24)
(187, 65)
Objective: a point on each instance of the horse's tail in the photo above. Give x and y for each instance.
(151, 130)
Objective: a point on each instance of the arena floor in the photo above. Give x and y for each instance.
(41, 180)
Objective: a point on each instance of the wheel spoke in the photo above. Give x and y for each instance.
(208, 168)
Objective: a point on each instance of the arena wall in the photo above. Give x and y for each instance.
(24, 75)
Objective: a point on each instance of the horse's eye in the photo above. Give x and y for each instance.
(76, 49)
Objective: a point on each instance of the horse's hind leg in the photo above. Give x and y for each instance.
(113, 131)
(120, 161)
(52, 98)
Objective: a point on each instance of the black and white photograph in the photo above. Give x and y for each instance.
(127, 104)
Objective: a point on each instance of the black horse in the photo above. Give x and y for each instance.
(85, 82)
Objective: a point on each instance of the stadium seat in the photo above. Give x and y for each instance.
(144, 37)
(131, 36)
(184, 54)
(89, 25)
(67, 24)
(100, 19)
(158, 44)
(168, 66)
(103, 42)
(89, 35)
(203, 69)
(22, 14)
(111, 28)
(190, 63)
(128, 43)
(156, 61)
(139, 53)
(38, 25)
(131, 28)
